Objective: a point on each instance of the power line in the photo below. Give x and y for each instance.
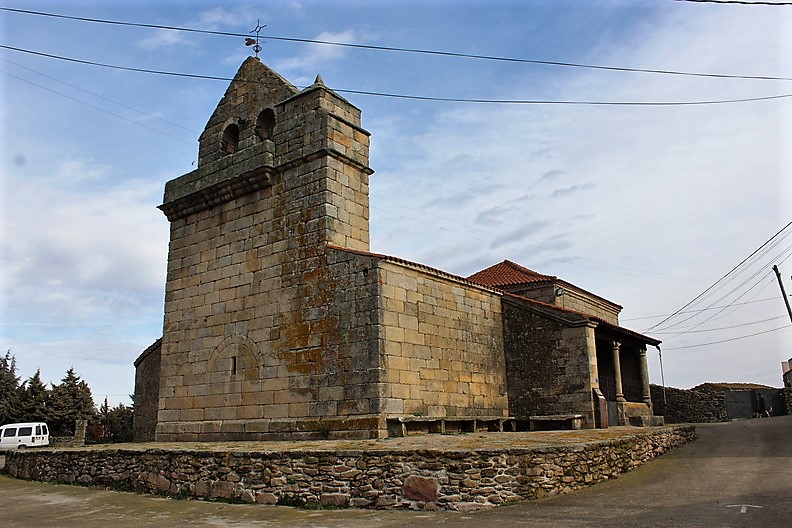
(468, 235)
(729, 340)
(736, 288)
(609, 267)
(418, 97)
(725, 327)
(740, 2)
(701, 310)
(405, 50)
(97, 108)
(99, 96)
(115, 67)
(702, 294)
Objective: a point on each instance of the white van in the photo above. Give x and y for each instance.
(21, 435)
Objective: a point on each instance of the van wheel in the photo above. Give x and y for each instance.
(21, 446)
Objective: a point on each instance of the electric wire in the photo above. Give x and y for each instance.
(419, 97)
(733, 290)
(730, 339)
(738, 2)
(403, 50)
(609, 267)
(700, 310)
(100, 96)
(740, 325)
(719, 281)
(468, 235)
(191, 143)
(713, 316)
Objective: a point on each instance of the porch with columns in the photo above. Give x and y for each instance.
(623, 378)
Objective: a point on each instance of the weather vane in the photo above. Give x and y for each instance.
(255, 41)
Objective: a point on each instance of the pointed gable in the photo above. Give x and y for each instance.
(246, 113)
(507, 273)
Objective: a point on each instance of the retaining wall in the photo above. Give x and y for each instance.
(689, 405)
(453, 479)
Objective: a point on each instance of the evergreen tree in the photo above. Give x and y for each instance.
(10, 410)
(120, 422)
(34, 398)
(69, 401)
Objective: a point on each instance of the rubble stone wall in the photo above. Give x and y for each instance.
(549, 364)
(419, 479)
(689, 406)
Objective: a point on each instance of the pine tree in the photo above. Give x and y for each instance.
(34, 396)
(120, 421)
(70, 401)
(10, 410)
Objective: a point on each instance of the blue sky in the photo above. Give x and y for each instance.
(646, 206)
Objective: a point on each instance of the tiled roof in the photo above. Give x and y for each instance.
(507, 273)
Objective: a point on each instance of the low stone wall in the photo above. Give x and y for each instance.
(689, 405)
(453, 479)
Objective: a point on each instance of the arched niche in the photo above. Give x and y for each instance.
(265, 124)
(230, 141)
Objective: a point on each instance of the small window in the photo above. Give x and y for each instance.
(265, 124)
(25, 431)
(11, 431)
(38, 430)
(44, 428)
(233, 366)
(230, 139)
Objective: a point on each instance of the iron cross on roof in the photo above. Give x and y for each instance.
(255, 41)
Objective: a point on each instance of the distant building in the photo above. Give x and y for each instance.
(786, 369)
(280, 323)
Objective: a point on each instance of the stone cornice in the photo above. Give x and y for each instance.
(233, 176)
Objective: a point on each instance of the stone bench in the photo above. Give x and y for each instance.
(551, 422)
(407, 425)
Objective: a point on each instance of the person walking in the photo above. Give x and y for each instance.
(762, 407)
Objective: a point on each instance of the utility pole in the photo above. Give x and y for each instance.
(783, 292)
(662, 376)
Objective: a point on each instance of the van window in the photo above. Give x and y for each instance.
(11, 431)
(46, 432)
(38, 430)
(25, 431)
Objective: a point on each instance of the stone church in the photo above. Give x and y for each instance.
(281, 324)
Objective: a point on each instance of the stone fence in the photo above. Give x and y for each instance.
(689, 405)
(80, 429)
(436, 478)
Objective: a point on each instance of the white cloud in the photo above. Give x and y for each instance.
(315, 56)
(164, 38)
(92, 248)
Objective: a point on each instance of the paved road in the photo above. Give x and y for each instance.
(743, 466)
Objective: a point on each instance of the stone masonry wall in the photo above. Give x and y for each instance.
(689, 406)
(588, 304)
(418, 479)
(255, 342)
(147, 378)
(549, 363)
(572, 299)
(442, 345)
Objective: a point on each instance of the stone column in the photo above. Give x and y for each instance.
(617, 372)
(646, 395)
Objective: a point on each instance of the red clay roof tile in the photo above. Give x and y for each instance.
(507, 273)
